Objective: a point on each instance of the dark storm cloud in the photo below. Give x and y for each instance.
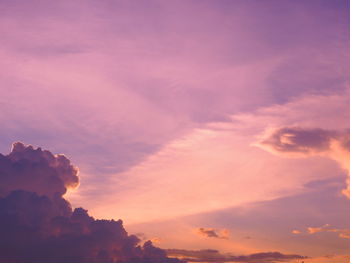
(35, 170)
(210, 255)
(38, 226)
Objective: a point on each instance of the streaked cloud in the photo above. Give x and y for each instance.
(342, 233)
(210, 255)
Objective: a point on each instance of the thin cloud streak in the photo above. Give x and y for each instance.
(213, 233)
(210, 255)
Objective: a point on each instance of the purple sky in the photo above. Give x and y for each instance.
(231, 116)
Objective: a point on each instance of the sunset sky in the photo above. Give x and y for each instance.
(217, 129)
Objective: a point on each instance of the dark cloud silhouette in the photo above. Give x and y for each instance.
(298, 140)
(213, 232)
(38, 226)
(303, 142)
(35, 170)
(211, 255)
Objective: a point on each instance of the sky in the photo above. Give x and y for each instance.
(216, 129)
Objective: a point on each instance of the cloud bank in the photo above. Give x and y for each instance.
(38, 226)
(211, 255)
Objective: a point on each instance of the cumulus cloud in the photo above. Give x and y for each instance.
(211, 255)
(213, 232)
(305, 142)
(38, 226)
(36, 170)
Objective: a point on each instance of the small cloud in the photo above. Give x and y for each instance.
(345, 235)
(324, 228)
(156, 240)
(213, 232)
(342, 233)
(296, 232)
(296, 141)
(143, 237)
